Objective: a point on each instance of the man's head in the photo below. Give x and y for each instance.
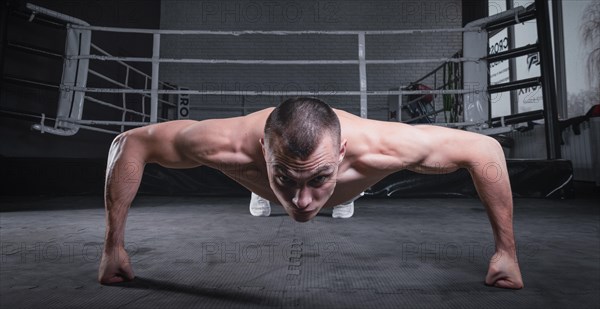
(303, 148)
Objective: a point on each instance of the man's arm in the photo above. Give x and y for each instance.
(438, 150)
(129, 152)
(448, 150)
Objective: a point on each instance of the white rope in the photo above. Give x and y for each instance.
(275, 93)
(63, 17)
(105, 53)
(104, 103)
(273, 62)
(107, 122)
(275, 32)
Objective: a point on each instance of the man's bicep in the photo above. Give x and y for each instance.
(164, 145)
(448, 149)
(403, 146)
(209, 142)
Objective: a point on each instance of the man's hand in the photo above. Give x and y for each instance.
(115, 266)
(504, 271)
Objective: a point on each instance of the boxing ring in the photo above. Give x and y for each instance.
(467, 91)
(194, 245)
(75, 91)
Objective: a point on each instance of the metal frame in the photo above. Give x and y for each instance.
(548, 80)
(540, 12)
(559, 56)
(447, 81)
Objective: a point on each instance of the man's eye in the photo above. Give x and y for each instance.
(284, 180)
(319, 180)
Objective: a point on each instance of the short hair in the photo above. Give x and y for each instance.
(299, 125)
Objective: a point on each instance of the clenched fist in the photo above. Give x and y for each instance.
(115, 266)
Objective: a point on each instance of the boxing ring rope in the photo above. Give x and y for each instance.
(68, 125)
(274, 62)
(128, 69)
(271, 32)
(272, 93)
(362, 62)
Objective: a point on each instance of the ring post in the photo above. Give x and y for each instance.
(154, 86)
(475, 76)
(363, 74)
(548, 82)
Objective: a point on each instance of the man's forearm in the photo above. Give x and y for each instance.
(116, 216)
(123, 177)
(491, 180)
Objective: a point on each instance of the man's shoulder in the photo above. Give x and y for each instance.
(355, 126)
(263, 113)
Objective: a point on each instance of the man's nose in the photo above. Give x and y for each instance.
(302, 198)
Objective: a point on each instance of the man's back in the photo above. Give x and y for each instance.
(232, 145)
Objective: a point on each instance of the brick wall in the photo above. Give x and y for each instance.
(301, 15)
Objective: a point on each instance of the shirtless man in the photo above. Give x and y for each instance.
(307, 156)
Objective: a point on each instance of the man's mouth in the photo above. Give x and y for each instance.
(304, 213)
(303, 216)
(306, 210)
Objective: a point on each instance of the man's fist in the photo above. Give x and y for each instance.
(115, 266)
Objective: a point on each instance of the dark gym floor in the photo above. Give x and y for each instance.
(210, 252)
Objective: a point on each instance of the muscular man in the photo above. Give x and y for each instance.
(307, 156)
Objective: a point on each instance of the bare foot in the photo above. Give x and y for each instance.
(115, 266)
(504, 271)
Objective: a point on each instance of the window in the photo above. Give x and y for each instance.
(582, 82)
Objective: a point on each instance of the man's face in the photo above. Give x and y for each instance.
(304, 186)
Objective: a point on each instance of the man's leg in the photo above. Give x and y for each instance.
(259, 207)
(343, 211)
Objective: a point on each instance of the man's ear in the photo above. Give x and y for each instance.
(262, 144)
(342, 150)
